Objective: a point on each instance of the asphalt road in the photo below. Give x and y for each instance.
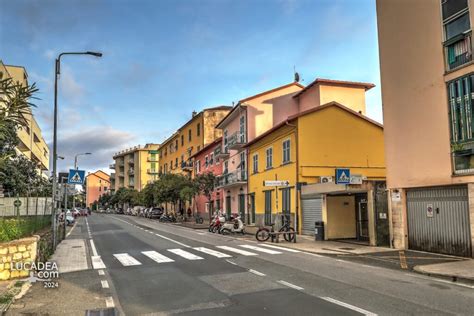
(163, 268)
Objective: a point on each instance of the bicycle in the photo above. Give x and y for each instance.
(263, 233)
(198, 219)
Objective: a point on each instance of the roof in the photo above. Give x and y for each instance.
(99, 175)
(214, 143)
(316, 109)
(230, 113)
(342, 83)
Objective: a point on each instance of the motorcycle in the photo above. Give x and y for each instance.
(216, 223)
(235, 225)
(167, 218)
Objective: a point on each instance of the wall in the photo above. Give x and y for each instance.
(211, 118)
(29, 206)
(414, 94)
(95, 187)
(352, 97)
(17, 252)
(341, 217)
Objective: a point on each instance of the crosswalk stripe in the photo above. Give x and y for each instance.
(212, 252)
(272, 252)
(236, 250)
(185, 254)
(127, 260)
(280, 248)
(155, 256)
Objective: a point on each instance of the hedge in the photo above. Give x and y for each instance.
(12, 228)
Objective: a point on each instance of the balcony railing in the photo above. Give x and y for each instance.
(219, 153)
(112, 166)
(458, 51)
(131, 161)
(236, 177)
(131, 171)
(152, 171)
(152, 159)
(236, 140)
(187, 165)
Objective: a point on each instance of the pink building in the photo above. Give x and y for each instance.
(206, 162)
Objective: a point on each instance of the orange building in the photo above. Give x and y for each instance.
(97, 184)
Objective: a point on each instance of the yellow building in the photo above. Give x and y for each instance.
(199, 131)
(135, 167)
(32, 143)
(305, 150)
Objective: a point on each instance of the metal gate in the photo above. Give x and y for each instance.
(312, 211)
(438, 220)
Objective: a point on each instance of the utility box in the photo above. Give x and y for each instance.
(319, 231)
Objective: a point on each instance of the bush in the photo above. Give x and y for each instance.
(12, 228)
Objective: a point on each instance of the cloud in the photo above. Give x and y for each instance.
(70, 88)
(101, 141)
(49, 54)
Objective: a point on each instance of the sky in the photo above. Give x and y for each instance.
(163, 59)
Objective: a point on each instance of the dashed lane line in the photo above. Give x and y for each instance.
(257, 272)
(296, 287)
(349, 306)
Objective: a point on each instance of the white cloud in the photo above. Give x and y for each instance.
(70, 88)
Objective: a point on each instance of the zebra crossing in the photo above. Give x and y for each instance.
(191, 253)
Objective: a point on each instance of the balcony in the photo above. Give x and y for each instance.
(112, 166)
(152, 159)
(238, 177)
(152, 171)
(236, 140)
(131, 161)
(219, 153)
(458, 51)
(131, 171)
(120, 163)
(187, 165)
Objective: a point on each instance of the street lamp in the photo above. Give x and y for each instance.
(55, 133)
(75, 159)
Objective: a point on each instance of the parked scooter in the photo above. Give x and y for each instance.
(167, 218)
(216, 223)
(235, 225)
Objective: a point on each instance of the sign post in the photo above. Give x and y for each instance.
(343, 176)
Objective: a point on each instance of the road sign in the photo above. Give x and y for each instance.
(343, 176)
(76, 176)
(276, 183)
(17, 203)
(429, 210)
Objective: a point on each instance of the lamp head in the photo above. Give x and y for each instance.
(96, 54)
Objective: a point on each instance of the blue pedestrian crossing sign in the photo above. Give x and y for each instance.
(343, 176)
(76, 176)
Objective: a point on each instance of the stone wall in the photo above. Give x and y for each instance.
(21, 250)
(398, 218)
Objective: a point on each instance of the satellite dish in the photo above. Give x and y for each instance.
(297, 77)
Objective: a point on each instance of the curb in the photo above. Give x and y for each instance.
(452, 278)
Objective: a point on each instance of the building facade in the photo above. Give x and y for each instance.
(427, 74)
(195, 134)
(205, 162)
(304, 152)
(135, 167)
(97, 184)
(32, 144)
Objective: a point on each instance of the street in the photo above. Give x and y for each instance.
(153, 267)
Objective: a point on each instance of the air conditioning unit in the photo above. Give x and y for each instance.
(325, 179)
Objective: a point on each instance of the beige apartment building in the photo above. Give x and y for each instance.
(32, 143)
(135, 167)
(427, 73)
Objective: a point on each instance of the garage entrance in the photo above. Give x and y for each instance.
(438, 220)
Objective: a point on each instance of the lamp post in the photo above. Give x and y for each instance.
(55, 135)
(76, 167)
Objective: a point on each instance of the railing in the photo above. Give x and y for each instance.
(187, 165)
(152, 171)
(236, 140)
(131, 171)
(231, 178)
(131, 161)
(458, 52)
(112, 166)
(219, 152)
(152, 159)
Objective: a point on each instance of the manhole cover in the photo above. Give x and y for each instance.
(346, 248)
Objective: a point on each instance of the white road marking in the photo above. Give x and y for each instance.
(74, 226)
(257, 272)
(109, 301)
(105, 284)
(279, 248)
(212, 252)
(231, 262)
(97, 263)
(296, 287)
(272, 252)
(101, 272)
(236, 250)
(313, 254)
(94, 250)
(127, 260)
(172, 240)
(349, 306)
(155, 256)
(185, 254)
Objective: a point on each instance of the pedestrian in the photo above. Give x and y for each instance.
(189, 212)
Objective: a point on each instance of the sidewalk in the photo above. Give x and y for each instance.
(462, 270)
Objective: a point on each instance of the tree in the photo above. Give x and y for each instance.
(19, 176)
(205, 183)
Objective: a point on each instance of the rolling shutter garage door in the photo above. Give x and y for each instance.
(438, 220)
(312, 211)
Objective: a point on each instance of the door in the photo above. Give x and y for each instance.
(312, 211)
(362, 220)
(438, 220)
(268, 207)
(251, 218)
(381, 214)
(286, 203)
(242, 207)
(227, 206)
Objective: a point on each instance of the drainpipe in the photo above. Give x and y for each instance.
(297, 202)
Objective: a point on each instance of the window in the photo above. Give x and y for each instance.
(242, 129)
(176, 163)
(226, 167)
(182, 140)
(100, 189)
(198, 166)
(268, 207)
(199, 148)
(243, 164)
(225, 141)
(269, 153)
(27, 129)
(286, 151)
(198, 129)
(451, 7)
(176, 145)
(255, 163)
(189, 135)
(286, 202)
(211, 159)
(461, 116)
(457, 33)
(206, 161)
(166, 152)
(182, 158)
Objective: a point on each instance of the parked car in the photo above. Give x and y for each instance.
(155, 212)
(70, 219)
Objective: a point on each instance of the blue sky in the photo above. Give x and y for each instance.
(165, 58)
